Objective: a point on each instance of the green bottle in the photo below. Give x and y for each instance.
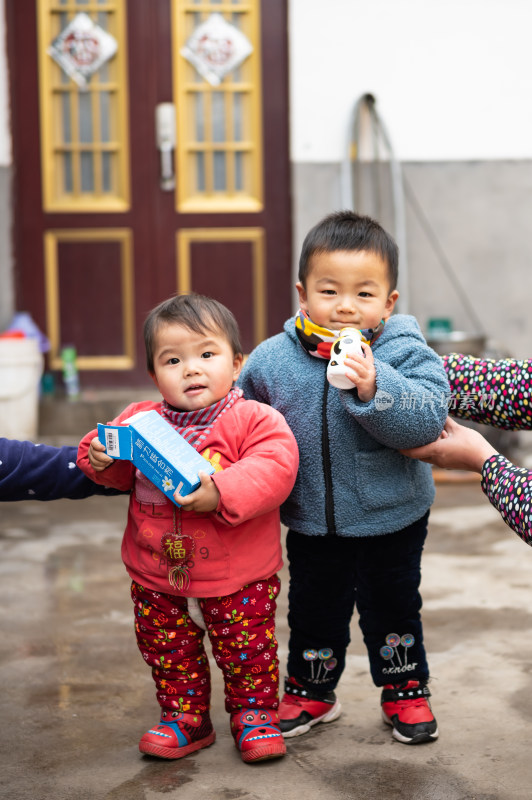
(70, 372)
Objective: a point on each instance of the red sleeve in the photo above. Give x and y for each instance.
(120, 474)
(264, 475)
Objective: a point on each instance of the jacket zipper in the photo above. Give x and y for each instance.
(326, 458)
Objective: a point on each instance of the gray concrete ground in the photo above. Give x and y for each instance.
(76, 696)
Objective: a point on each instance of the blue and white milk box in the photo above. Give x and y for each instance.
(154, 447)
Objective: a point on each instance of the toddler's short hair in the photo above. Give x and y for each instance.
(195, 312)
(345, 230)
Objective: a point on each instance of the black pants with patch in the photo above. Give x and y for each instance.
(379, 575)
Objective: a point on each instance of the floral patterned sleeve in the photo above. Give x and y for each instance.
(509, 489)
(491, 392)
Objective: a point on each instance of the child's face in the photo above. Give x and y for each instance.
(193, 370)
(347, 289)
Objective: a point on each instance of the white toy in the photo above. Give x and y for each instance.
(348, 342)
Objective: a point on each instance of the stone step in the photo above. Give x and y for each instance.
(67, 420)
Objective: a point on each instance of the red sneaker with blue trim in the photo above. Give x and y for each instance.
(177, 735)
(257, 735)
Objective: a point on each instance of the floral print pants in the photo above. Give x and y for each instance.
(241, 628)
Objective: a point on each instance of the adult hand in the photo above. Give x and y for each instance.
(457, 447)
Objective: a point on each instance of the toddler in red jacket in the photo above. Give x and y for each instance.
(209, 564)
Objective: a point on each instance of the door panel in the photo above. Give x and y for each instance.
(97, 240)
(241, 251)
(89, 279)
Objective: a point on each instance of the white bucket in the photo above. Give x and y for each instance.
(21, 367)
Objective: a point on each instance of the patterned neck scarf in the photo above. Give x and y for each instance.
(317, 341)
(195, 426)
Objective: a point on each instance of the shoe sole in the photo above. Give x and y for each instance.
(263, 753)
(420, 738)
(331, 715)
(150, 749)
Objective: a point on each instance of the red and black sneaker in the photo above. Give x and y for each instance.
(405, 706)
(177, 735)
(256, 734)
(302, 708)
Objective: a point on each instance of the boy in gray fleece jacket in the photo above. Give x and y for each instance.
(357, 516)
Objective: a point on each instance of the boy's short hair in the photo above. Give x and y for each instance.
(345, 230)
(195, 312)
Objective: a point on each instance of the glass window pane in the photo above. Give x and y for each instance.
(105, 117)
(237, 117)
(85, 117)
(218, 117)
(107, 166)
(239, 171)
(66, 119)
(220, 179)
(199, 116)
(63, 22)
(195, 21)
(200, 172)
(87, 172)
(104, 73)
(68, 183)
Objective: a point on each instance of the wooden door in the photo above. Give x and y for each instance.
(106, 224)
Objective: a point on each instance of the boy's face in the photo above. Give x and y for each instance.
(347, 289)
(193, 370)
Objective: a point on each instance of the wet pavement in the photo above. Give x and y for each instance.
(76, 696)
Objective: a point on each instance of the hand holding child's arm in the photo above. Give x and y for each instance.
(457, 447)
(98, 458)
(204, 499)
(360, 369)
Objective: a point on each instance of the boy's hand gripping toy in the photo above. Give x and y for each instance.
(348, 342)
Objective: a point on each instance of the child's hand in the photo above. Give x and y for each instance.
(360, 369)
(98, 458)
(205, 498)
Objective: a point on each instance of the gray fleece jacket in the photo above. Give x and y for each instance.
(351, 479)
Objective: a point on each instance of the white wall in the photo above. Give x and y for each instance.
(452, 78)
(5, 138)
